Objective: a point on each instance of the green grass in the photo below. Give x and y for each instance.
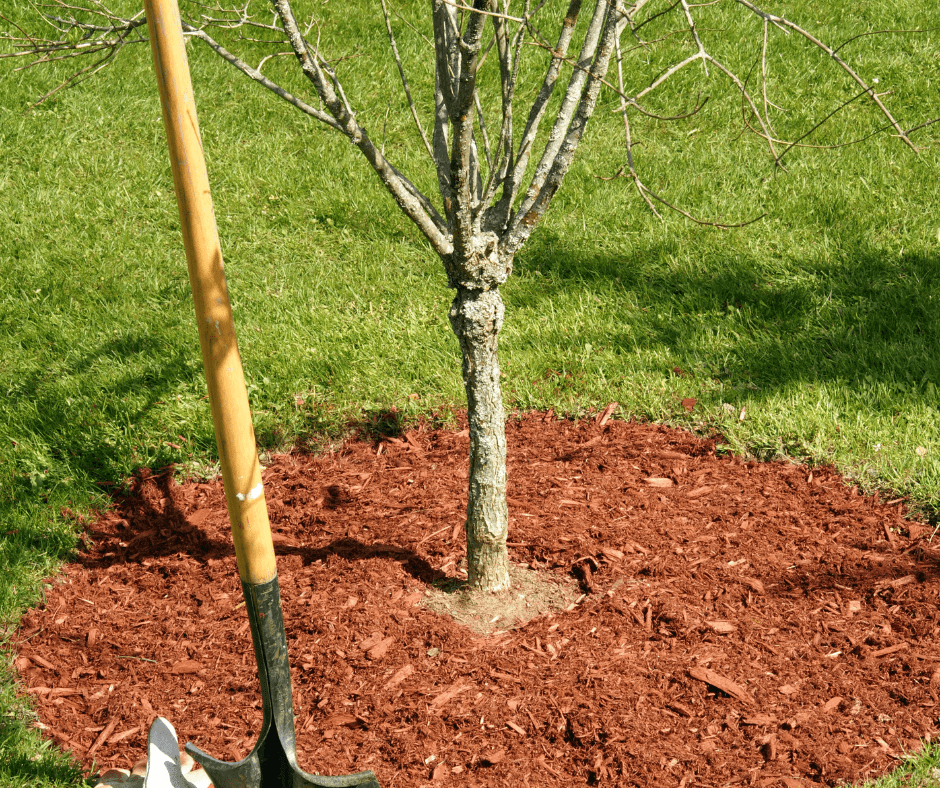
(820, 322)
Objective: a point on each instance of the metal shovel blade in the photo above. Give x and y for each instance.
(273, 761)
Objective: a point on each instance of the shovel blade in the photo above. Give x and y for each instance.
(273, 761)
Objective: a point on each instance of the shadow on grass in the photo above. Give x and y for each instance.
(377, 423)
(855, 316)
(83, 425)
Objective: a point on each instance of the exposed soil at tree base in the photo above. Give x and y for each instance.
(737, 622)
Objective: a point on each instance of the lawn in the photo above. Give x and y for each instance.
(810, 334)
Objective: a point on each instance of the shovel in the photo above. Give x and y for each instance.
(273, 761)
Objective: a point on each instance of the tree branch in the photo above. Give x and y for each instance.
(692, 28)
(498, 215)
(409, 199)
(784, 23)
(565, 114)
(464, 170)
(256, 76)
(404, 81)
(531, 212)
(446, 72)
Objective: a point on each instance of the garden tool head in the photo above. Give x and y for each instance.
(273, 761)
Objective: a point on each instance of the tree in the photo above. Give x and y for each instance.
(493, 189)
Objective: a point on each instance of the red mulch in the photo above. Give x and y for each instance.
(743, 622)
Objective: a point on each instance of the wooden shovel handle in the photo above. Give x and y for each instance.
(228, 397)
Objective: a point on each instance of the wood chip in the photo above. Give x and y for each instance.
(718, 681)
(658, 481)
(43, 663)
(186, 666)
(759, 719)
(698, 492)
(890, 650)
(340, 720)
(769, 749)
(119, 737)
(753, 583)
(829, 705)
(102, 738)
(413, 443)
(605, 415)
(400, 675)
(380, 649)
(492, 758)
(721, 627)
(889, 534)
(369, 642)
(63, 692)
(670, 454)
(611, 554)
(517, 728)
(450, 693)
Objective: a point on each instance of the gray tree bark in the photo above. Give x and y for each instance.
(477, 317)
(476, 270)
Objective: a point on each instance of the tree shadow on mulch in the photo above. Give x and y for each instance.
(743, 622)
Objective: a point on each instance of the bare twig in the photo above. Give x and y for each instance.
(483, 12)
(76, 78)
(404, 81)
(255, 75)
(763, 76)
(882, 33)
(645, 190)
(654, 17)
(784, 23)
(698, 41)
(689, 216)
(460, 115)
(746, 99)
(531, 210)
(628, 138)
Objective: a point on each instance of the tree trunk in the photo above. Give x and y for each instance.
(476, 316)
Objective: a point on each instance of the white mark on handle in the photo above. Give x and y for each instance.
(254, 492)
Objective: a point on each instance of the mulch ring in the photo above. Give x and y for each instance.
(742, 622)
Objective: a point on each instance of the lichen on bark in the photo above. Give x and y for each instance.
(476, 316)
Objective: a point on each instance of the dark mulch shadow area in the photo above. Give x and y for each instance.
(742, 622)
